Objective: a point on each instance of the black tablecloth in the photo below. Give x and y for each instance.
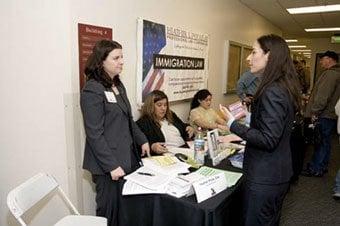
(165, 210)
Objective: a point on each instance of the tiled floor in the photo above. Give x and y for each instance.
(310, 202)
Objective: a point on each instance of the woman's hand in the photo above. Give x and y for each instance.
(158, 148)
(146, 149)
(226, 113)
(117, 173)
(190, 131)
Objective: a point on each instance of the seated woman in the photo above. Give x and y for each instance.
(161, 126)
(202, 115)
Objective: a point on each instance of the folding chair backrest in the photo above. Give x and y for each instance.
(26, 195)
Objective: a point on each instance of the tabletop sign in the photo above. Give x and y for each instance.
(88, 35)
(209, 186)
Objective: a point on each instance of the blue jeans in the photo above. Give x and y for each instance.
(337, 182)
(323, 149)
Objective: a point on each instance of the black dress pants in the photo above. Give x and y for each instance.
(262, 203)
(108, 196)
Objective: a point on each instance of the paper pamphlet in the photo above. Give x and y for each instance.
(132, 188)
(237, 110)
(231, 177)
(164, 160)
(237, 160)
(171, 170)
(148, 178)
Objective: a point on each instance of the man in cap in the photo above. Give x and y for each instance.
(320, 109)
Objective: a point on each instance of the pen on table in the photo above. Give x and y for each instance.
(183, 179)
(146, 174)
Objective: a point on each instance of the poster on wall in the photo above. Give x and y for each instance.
(88, 35)
(170, 59)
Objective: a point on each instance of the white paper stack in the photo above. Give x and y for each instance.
(179, 187)
(148, 178)
(160, 166)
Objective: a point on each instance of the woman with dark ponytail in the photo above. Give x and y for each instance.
(267, 162)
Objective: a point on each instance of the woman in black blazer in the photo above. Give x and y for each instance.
(112, 136)
(161, 126)
(267, 162)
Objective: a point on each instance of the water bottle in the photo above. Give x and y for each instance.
(199, 152)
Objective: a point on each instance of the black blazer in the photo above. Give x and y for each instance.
(154, 133)
(111, 133)
(267, 157)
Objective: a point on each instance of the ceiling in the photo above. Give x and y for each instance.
(293, 26)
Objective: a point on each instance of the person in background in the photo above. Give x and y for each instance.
(267, 165)
(307, 75)
(201, 113)
(336, 194)
(320, 109)
(112, 136)
(161, 126)
(247, 86)
(301, 75)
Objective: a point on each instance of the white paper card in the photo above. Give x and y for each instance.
(210, 186)
(110, 97)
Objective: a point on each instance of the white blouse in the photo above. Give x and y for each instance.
(171, 134)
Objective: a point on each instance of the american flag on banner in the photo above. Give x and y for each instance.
(154, 40)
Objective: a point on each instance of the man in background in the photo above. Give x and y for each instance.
(336, 194)
(320, 109)
(247, 86)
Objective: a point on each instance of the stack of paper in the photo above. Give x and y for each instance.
(149, 178)
(237, 160)
(147, 181)
(179, 187)
(161, 164)
(132, 188)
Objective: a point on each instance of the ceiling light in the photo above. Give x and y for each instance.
(291, 40)
(301, 50)
(314, 9)
(322, 29)
(297, 46)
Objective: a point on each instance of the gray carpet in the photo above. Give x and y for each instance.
(309, 201)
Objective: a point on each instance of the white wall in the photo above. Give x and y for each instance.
(35, 72)
(41, 128)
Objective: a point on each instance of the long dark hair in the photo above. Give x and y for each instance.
(148, 109)
(94, 66)
(199, 96)
(279, 68)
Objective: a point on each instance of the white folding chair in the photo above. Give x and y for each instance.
(26, 195)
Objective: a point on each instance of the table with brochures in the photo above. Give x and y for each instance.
(163, 209)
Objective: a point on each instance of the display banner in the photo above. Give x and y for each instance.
(88, 35)
(170, 59)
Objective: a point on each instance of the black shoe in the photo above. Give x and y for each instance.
(336, 196)
(309, 173)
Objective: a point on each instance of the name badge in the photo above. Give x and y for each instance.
(209, 186)
(110, 97)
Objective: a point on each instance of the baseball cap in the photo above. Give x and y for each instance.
(331, 54)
